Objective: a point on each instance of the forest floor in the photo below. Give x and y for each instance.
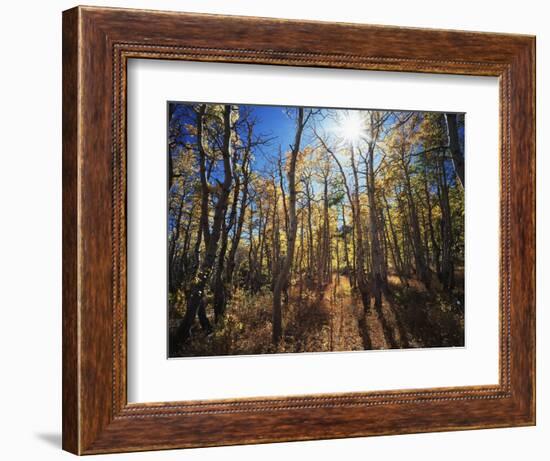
(410, 317)
(349, 328)
(333, 319)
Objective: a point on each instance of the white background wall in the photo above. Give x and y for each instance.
(30, 227)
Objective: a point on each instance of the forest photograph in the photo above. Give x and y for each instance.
(301, 229)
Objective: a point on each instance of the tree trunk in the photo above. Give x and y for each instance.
(283, 275)
(398, 262)
(378, 282)
(311, 275)
(195, 302)
(362, 282)
(436, 252)
(349, 269)
(447, 269)
(454, 146)
(240, 220)
(422, 269)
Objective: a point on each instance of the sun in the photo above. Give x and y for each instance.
(350, 127)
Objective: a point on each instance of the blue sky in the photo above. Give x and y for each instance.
(274, 122)
(278, 123)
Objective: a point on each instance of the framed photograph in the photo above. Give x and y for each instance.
(285, 230)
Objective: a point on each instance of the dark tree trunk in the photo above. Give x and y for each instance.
(422, 269)
(447, 266)
(436, 252)
(283, 275)
(195, 302)
(398, 263)
(454, 146)
(349, 269)
(378, 281)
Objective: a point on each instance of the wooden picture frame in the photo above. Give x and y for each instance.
(97, 43)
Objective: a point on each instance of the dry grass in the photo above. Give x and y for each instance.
(334, 321)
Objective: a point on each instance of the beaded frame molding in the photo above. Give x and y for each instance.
(97, 43)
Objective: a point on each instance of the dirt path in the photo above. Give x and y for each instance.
(343, 329)
(350, 329)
